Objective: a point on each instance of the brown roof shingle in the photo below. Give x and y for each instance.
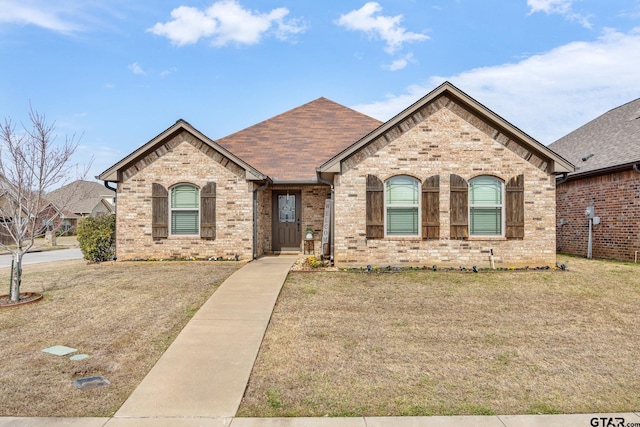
(290, 146)
(612, 139)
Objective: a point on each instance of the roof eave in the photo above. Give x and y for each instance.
(112, 174)
(559, 164)
(602, 171)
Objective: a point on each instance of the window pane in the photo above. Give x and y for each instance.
(402, 221)
(402, 190)
(485, 190)
(287, 208)
(184, 222)
(486, 221)
(184, 196)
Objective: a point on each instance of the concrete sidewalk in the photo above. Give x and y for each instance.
(574, 420)
(201, 378)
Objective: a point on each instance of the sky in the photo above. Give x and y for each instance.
(116, 73)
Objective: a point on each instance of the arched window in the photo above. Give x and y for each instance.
(486, 206)
(185, 210)
(402, 206)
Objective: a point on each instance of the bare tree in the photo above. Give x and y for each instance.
(31, 164)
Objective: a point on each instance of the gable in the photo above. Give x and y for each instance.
(449, 97)
(179, 133)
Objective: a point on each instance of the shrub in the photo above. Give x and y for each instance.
(96, 237)
(314, 262)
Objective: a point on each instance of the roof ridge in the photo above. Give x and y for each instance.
(291, 110)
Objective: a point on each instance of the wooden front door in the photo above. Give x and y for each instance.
(286, 221)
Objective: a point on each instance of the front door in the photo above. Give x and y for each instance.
(286, 221)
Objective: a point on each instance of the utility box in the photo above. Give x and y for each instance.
(590, 212)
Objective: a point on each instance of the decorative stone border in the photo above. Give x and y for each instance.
(25, 298)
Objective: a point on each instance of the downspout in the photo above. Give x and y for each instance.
(332, 214)
(115, 209)
(636, 167)
(255, 217)
(563, 179)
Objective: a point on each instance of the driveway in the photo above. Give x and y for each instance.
(44, 256)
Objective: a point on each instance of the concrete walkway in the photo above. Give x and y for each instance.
(201, 378)
(203, 374)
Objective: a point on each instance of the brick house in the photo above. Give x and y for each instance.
(446, 182)
(80, 199)
(606, 153)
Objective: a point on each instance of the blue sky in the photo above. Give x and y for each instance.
(119, 72)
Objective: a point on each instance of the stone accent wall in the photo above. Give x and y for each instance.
(616, 199)
(444, 142)
(184, 159)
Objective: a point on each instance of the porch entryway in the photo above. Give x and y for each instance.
(287, 232)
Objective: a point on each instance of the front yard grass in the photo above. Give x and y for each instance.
(436, 343)
(123, 315)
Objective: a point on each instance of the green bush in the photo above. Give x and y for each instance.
(97, 237)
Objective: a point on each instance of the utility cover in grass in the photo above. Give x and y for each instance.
(59, 350)
(79, 357)
(88, 383)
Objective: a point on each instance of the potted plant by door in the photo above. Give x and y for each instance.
(308, 234)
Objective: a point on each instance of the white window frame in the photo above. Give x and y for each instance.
(416, 206)
(501, 206)
(190, 209)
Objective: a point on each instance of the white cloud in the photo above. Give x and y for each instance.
(400, 63)
(45, 15)
(546, 95)
(386, 28)
(63, 16)
(549, 6)
(225, 21)
(168, 71)
(135, 68)
(562, 7)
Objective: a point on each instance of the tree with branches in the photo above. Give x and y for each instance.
(31, 164)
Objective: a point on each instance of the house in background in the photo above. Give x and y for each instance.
(606, 153)
(445, 182)
(26, 216)
(80, 199)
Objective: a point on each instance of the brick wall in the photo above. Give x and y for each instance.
(444, 143)
(312, 211)
(184, 159)
(616, 199)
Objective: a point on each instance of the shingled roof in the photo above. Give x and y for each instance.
(289, 146)
(79, 197)
(607, 142)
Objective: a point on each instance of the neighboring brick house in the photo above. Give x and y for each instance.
(444, 182)
(606, 152)
(80, 199)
